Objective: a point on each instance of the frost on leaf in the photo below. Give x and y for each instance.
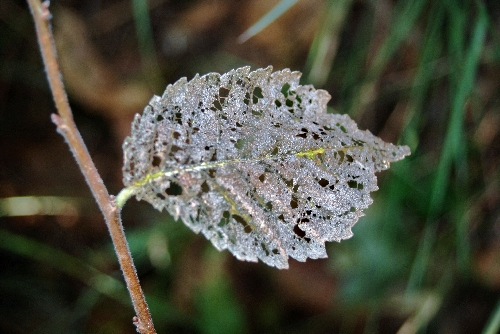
(253, 161)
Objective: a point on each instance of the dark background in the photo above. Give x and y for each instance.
(426, 257)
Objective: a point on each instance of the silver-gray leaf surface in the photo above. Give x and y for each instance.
(253, 161)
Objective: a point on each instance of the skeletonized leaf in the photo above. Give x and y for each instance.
(254, 162)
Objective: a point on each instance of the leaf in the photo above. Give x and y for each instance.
(253, 161)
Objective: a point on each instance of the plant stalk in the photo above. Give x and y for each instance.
(67, 128)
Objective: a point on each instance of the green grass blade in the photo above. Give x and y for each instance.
(40, 205)
(68, 264)
(471, 63)
(464, 81)
(326, 41)
(424, 76)
(493, 325)
(266, 20)
(146, 43)
(404, 20)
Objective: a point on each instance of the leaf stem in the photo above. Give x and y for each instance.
(67, 128)
(124, 195)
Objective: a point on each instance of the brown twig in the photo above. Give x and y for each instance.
(67, 128)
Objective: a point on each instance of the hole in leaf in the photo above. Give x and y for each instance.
(211, 173)
(258, 92)
(278, 103)
(223, 92)
(285, 89)
(275, 251)
(176, 135)
(349, 158)
(214, 156)
(358, 142)
(217, 105)
(352, 184)
(340, 126)
(298, 231)
(204, 187)
(262, 177)
(289, 103)
(174, 190)
(160, 196)
(240, 143)
(224, 220)
(302, 135)
(156, 161)
(342, 156)
(269, 206)
(264, 248)
(293, 203)
(239, 219)
(323, 182)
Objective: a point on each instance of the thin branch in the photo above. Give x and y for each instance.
(67, 128)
